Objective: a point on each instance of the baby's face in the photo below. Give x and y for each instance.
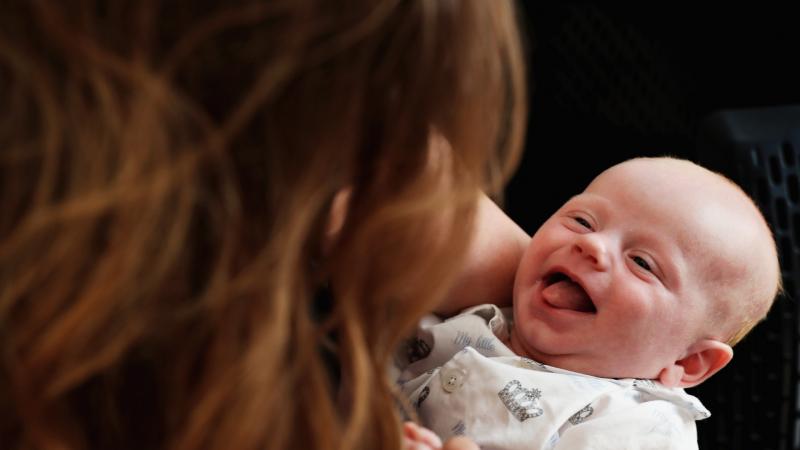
(617, 282)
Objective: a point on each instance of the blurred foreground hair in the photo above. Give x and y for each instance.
(166, 176)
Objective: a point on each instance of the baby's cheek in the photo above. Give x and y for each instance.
(636, 319)
(633, 304)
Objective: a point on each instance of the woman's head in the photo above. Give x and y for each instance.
(166, 170)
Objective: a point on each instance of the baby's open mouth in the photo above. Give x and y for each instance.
(562, 293)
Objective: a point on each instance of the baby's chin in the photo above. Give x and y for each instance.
(577, 363)
(528, 349)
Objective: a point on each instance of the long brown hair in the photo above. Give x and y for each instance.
(166, 176)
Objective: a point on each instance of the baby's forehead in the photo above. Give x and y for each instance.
(719, 230)
(710, 222)
(676, 192)
(724, 247)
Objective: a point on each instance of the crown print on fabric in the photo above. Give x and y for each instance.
(422, 396)
(522, 403)
(581, 415)
(417, 349)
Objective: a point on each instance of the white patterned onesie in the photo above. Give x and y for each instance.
(463, 380)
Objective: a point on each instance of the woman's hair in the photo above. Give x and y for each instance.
(166, 177)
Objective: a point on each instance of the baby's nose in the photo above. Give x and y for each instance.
(592, 247)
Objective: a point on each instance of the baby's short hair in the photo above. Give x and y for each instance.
(749, 321)
(756, 303)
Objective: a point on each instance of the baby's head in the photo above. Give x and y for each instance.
(654, 271)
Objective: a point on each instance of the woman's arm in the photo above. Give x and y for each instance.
(487, 273)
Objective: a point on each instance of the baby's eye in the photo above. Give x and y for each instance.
(641, 263)
(584, 223)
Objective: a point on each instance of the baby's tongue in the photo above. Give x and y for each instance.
(567, 294)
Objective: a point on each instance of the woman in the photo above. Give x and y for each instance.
(167, 171)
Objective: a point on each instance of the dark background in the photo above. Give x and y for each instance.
(610, 82)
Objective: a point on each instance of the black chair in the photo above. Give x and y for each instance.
(754, 400)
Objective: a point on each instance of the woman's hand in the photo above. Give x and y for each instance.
(460, 443)
(416, 437)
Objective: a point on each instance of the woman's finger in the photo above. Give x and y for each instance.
(460, 443)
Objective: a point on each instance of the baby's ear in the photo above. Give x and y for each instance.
(703, 359)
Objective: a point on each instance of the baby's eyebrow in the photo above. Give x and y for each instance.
(577, 198)
(588, 199)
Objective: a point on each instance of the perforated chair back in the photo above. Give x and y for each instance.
(754, 401)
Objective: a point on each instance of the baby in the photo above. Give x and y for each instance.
(633, 290)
